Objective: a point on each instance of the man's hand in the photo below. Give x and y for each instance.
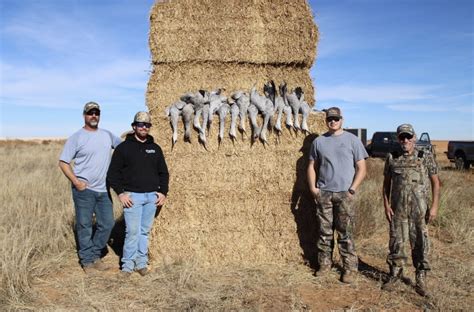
(315, 192)
(160, 199)
(431, 215)
(388, 213)
(80, 185)
(125, 200)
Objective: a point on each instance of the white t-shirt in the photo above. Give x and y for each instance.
(91, 152)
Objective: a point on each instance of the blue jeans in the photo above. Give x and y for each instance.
(86, 204)
(138, 221)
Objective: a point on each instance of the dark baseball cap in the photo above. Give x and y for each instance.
(333, 112)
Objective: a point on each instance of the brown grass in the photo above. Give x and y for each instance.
(39, 269)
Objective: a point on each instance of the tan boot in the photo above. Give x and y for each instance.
(143, 271)
(99, 265)
(323, 270)
(421, 287)
(124, 275)
(348, 277)
(396, 275)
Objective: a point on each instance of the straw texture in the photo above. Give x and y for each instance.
(237, 201)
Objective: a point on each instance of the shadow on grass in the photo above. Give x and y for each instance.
(117, 237)
(378, 275)
(303, 208)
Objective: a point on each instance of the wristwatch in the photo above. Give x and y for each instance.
(352, 191)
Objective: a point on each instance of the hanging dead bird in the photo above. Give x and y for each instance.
(253, 113)
(187, 112)
(198, 100)
(242, 100)
(205, 118)
(294, 100)
(216, 100)
(289, 116)
(280, 103)
(174, 111)
(257, 100)
(265, 106)
(222, 112)
(304, 109)
(234, 112)
(270, 93)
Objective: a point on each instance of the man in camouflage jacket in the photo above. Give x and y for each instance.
(408, 176)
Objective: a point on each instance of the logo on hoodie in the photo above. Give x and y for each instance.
(150, 151)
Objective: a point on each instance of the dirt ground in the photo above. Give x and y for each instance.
(272, 287)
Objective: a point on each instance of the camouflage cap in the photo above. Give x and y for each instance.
(142, 117)
(333, 112)
(91, 105)
(405, 128)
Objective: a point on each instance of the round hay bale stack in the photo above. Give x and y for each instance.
(237, 201)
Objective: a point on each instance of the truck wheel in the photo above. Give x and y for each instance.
(461, 163)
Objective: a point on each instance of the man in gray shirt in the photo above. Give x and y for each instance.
(336, 169)
(90, 148)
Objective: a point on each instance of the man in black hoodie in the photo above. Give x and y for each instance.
(139, 175)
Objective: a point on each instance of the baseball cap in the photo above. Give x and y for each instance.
(142, 117)
(405, 128)
(91, 105)
(333, 112)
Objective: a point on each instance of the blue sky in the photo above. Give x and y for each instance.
(383, 62)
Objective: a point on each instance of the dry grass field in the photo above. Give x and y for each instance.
(39, 268)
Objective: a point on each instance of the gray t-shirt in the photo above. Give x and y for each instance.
(336, 156)
(91, 152)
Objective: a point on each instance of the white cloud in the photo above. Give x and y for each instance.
(388, 93)
(430, 108)
(118, 80)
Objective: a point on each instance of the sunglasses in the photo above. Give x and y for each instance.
(336, 119)
(404, 136)
(143, 125)
(93, 112)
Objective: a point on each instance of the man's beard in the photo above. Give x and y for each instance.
(94, 123)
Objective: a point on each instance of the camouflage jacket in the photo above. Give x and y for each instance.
(410, 172)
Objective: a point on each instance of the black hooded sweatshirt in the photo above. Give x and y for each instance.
(138, 167)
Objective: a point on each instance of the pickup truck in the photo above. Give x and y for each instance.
(461, 153)
(386, 142)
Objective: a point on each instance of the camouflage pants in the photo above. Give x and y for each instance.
(408, 226)
(335, 211)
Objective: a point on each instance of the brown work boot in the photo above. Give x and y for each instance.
(420, 286)
(323, 270)
(88, 269)
(124, 275)
(143, 271)
(99, 265)
(348, 277)
(396, 275)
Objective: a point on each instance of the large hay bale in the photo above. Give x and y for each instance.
(248, 31)
(237, 202)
